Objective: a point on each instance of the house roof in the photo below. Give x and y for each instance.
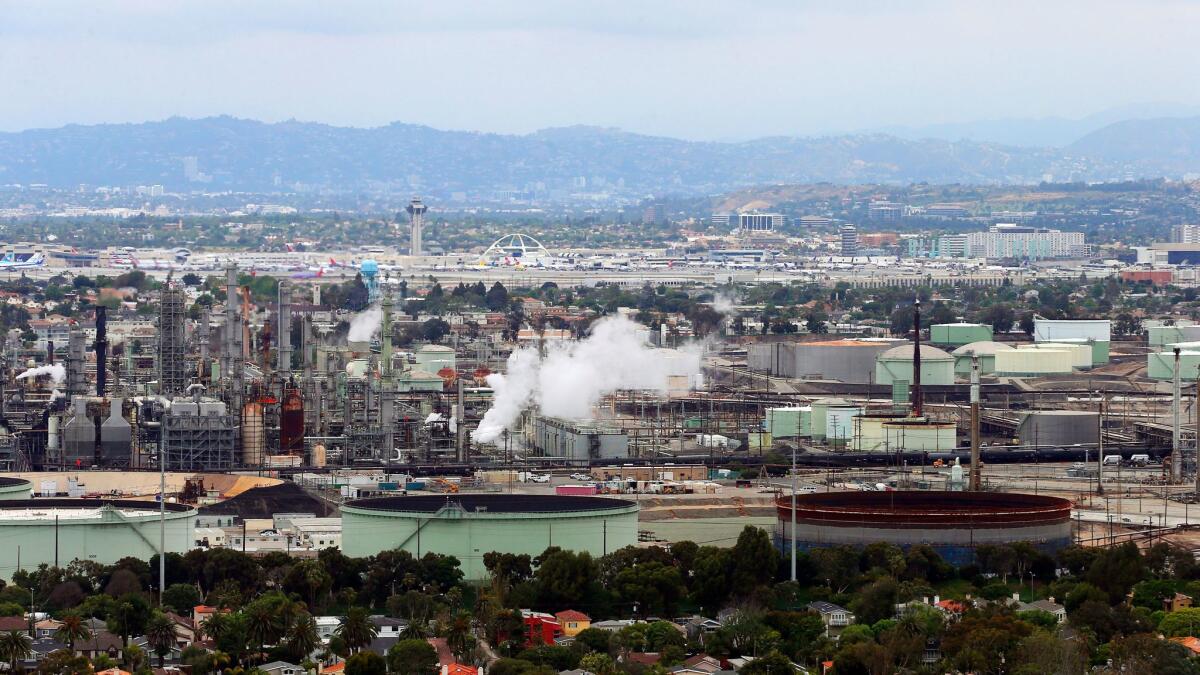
(8, 623)
(572, 615)
(276, 665)
(645, 658)
(826, 607)
(1191, 643)
(113, 671)
(459, 669)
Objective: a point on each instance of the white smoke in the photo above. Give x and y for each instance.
(365, 324)
(724, 303)
(572, 377)
(55, 370)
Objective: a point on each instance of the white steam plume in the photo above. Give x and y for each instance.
(572, 377)
(365, 324)
(724, 303)
(55, 370)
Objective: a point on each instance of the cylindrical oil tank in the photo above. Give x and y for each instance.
(984, 351)
(1057, 330)
(920, 435)
(1021, 362)
(1059, 428)
(318, 455)
(1161, 365)
(253, 434)
(291, 422)
(895, 365)
(468, 526)
(839, 425)
(952, 523)
(848, 361)
(789, 422)
(15, 488)
(1161, 336)
(1081, 354)
(56, 531)
(955, 334)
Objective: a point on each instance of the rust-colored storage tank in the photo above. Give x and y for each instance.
(291, 423)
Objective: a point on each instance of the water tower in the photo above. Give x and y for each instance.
(370, 274)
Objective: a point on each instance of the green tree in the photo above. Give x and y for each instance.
(773, 663)
(754, 561)
(412, 657)
(497, 297)
(160, 634)
(815, 322)
(302, 638)
(129, 617)
(366, 663)
(72, 630)
(598, 664)
(357, 629)
(181, 598)
(15, 646)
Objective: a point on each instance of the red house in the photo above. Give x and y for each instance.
(540, 628)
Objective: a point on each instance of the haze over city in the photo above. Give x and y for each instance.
(695, 70)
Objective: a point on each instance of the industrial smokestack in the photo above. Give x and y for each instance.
(101, 348)
(918, 402)
(49, 352)
(284, 340)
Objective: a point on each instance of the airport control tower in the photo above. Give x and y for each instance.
(416, 217)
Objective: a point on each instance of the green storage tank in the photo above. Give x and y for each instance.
(15, 488)
(956, 334)
(937, 367)
(467, 526)
(985, 351)
(789, 422)
(1161, 365)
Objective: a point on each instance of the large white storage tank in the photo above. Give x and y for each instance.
(896, 364)
(839, 425)
(1094, 332)
(1081, 354)
(1025, 362)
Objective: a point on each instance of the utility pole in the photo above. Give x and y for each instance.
(162, 525)
(1176, 450)
(1100, 451)
(976, 469)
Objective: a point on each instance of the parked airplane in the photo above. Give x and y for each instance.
(10, 261)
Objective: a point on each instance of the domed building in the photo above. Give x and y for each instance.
(985, 350)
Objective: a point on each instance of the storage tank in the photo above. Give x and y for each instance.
(789, 422)
(953, 523)
(291, 422)
(56, 531)
(895, 365)
(846, 360)
(955, 334)
(1033, 362)
(1081, 353)
(986, 351)
(820, 414)
(468, 526)
(432, 358)
(1161, 336)
(1095, 332)
(15, 488)
(839, 425)
(889, 433)
(253, 434)
(1161, 365)
(1059, 428)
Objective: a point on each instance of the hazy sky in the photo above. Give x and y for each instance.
(687, 68)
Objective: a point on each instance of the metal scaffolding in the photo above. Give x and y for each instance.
(173, 375)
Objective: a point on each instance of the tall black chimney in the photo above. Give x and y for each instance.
(101, 349)
(918, 397)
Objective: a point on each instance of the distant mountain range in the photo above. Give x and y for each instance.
(225, 153)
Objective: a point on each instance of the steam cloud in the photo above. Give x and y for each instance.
(365, 324)
(723, 303)
(572, 377)
(56, 372)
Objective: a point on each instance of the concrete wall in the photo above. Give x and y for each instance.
(469, 536)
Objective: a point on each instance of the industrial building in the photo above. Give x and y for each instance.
(889, 433)
(952, 523)
(896, 366)
(57, 531)
(467, 526)
(577, 441)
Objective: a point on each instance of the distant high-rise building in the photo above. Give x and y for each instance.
(885, 211)
(720, 220)
(849, 240)
(1007, 240)
(416, 219)
(191, 168)
(761, 222)
(1185, 234)
(655, 214)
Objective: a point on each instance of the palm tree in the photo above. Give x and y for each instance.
(72, 630)
(458, 637)
(262, 625)
(302, 636)
(160, 632)
(357, 629)
(216, 625)
(415, 630)
(15, 646)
